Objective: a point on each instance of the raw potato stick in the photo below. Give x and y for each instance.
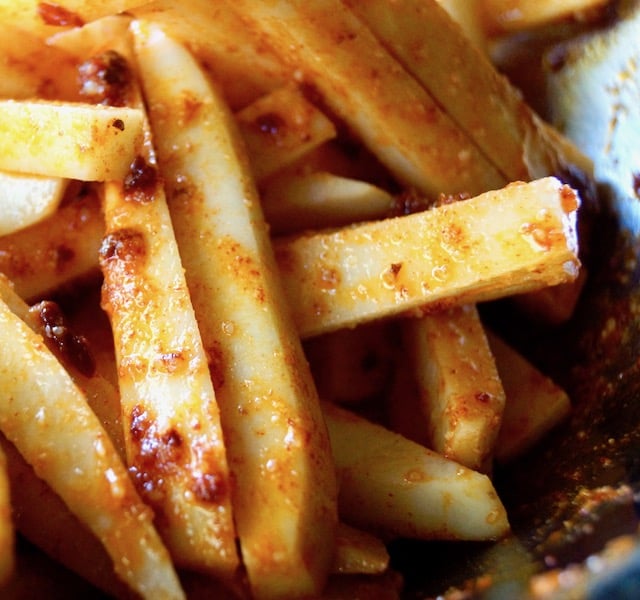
(398, 488)
(461, 394)
(517, 239)
(331, 50)
(67, 139)
(28, 199)
(48, 419)
(173, 436)
(422, 36)
(278, 448)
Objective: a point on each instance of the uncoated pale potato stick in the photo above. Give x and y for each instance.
(398, 488)
(512, 240)
(432, 47)
(48, 419)
(57, 251)
(67, 139)
(173, 437)
(327, 47)
(278, 448)
(460, 391)
(7, 550)
(281, 127)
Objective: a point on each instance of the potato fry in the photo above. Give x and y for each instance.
(52, 254)
(45, 318)
(244, 66)
(467, 13)
(431, 46)
(72, 140)
(534, 406)
(280, 128)
(27, 199)
(460, 390)
(46, 521)
(47, 417)
(396, 487)
(513, 240)
(284, 496)
(355, 76)
(173, 437)
(295, 202)
(7, 542)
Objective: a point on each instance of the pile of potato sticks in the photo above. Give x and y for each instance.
(259, 189)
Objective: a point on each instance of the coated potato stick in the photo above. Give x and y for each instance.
(460, 391)
(48, 419)
(173, 436)
(422, 36)
(392, 114)
(69, 139)
(284, 494)
(517, 239)
(396, 487)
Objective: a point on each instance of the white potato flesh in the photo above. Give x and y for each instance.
(27, 199)
(7, 550)
(42, 517)
(365, 86)
(460, 391)
(517, 239)
(48, 419)
(284, 496)
(391, 485)
(67, 139)
(242, 64)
